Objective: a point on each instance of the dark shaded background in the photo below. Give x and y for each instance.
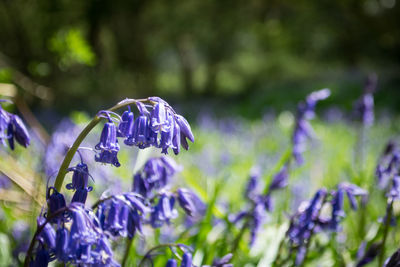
(254, 55)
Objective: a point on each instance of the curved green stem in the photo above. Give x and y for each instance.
(385, 232)
(71, 152)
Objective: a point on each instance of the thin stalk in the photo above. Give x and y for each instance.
(71, 152)
(129, 243)
(147, 255)
(386, 231)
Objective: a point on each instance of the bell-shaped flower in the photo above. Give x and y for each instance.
(125, 127)
(191, 203)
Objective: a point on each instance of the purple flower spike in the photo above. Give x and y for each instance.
(125, 127)
(140, 134)
(186, 260)
(171, 263)
(191, 203)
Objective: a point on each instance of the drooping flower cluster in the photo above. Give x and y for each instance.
(12, 129)
(122, 215)
(303, 130)
(161, 127)
(78, 239)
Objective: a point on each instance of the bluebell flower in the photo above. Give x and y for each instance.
(191, 203)
(394, 260)
(156, 174)
(171, 263)
(125, 127)
(4, 120)
(16, 130)
(62, 245)
(304, 222)
(185, 131)
(108, 145)
(164, 211)
(337, 209)
(364, 107)
(223, 262)
(280, 180)
(252, 186)
(47, 236)
(161, 128)
(352, 191)
(80, 177)
(42, 258)
(365, 257)
(109, 157)
(80, 195)
(55, 200)
(303, 130)
(186, 260)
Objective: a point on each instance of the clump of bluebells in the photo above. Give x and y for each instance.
(12, 129)
(260, 199)
(75, 234)
(309, 218)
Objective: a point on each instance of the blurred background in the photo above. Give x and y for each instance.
(236, 69)
(255, 55)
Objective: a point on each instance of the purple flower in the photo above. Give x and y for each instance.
(303, 129)
(125, 127)
(171, 263)
(394, 260)
(352, 191)
(156, 174)
(223, 262)
(280, 179)
(191, 203)
(108, 145)
(42, 258)
(80, 177)
(304, 222)
(369, 255)
(55, 200)
(110, 157)
(163, 211)
(16, 130)
(337, 209)
(185, 131)
(47, 236)
(186, 260)
(364, 107)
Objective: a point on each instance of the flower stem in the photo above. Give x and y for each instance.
(386, 231)
(71, 152)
